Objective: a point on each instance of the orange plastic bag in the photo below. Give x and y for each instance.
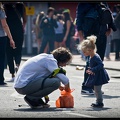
(66, 100)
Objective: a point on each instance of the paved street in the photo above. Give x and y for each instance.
(13, 105)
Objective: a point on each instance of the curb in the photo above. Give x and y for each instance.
(115, 69)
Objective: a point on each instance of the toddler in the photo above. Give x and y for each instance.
(96, 69)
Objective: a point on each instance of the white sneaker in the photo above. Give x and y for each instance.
(16, 69)
(12, 79)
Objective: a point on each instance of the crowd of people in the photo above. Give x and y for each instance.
(53, 30)
(53, 33)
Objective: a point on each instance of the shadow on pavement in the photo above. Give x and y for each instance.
(51, 109)
(97, 109)
(104, 96)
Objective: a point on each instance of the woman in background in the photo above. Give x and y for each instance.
(16, 19)
(4, 32)
(67, 28)
(59, 31)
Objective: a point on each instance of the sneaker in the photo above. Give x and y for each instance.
(99, 105)
(45, 105)
(3, 83)
(87, 91)
(12, 79)
(107, 59)
(16, 69)
(118, 59)
(32, 104)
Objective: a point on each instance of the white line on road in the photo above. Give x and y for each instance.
(81, 115)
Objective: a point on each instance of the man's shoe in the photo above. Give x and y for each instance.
(32, 103)
(99, 105)
(45, 105)
(87, 91)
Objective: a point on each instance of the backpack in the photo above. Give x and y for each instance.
(105, 14)
(72, 29)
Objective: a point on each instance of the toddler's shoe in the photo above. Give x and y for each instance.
(99, 105)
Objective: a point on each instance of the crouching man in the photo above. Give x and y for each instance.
(41, 75)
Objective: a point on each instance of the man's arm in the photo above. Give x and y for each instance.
(80, 12)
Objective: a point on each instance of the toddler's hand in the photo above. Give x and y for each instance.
(90, 72)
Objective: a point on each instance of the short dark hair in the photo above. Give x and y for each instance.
(50, 9)
(62, 55)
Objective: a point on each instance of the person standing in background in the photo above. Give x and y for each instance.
(38, 31)
(16, 19)
(4, 32)
(116, 34)
(67, 28)
(48, 24)
(59, 31)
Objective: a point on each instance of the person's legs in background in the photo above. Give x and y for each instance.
(10, 60)
(101, 46)
(117, 49)
(108, 45)
(51, 43)
(43, 44)
(3, 41)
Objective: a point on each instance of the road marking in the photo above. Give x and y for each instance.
(81, 115)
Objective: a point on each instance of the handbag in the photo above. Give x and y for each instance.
(90, 81)
(65, 100)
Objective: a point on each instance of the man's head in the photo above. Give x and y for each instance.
(62, 55)
(50, 11)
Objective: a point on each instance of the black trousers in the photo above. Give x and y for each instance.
(3, 41)
(117, 48)
(47, 39)
(14, 55)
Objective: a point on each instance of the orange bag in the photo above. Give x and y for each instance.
(66, 100)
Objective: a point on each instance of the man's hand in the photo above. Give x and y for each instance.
(61, 88)
(67, 88)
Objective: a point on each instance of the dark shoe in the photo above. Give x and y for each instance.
(87, 91)
(3, 83)
(99, 105)
(102, 92)
(16, 69)
(32, 103)
(45, 105)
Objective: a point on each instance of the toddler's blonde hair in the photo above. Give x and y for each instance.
(88, 43)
